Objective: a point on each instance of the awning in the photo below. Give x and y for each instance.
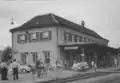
(92, 46)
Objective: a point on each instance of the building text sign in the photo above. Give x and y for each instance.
(70, 48)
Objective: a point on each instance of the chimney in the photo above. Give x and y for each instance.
(82, 23)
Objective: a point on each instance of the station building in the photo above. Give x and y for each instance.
(51, 36)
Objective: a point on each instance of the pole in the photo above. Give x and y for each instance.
(12, 23)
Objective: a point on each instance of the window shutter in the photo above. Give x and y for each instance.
(29, 38)
(36, 57)
(50, 35)
(80, 38)
(25, 58)
(18, 38)
(75, 38)
(37, 36)
(65, 36)
(26, 37)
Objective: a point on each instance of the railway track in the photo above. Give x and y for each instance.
(77, 77)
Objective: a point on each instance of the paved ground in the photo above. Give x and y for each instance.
(112, 78)
(29, 78)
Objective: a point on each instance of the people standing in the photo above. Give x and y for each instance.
(38, 68)
(93, 65)
(3, 67)
(47, 62)
(116, 63)
(15, 70)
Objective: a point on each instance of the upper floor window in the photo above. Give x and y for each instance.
(92, 41)
(66, 36)
(70, 37)
(75, 38)
(33, 36)
(21, 38)
(45, 35)
(85, 39)
(80, 38)
(89, 40)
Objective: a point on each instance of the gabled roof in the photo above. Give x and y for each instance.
(54, 20)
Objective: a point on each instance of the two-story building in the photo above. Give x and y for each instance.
(51, 36)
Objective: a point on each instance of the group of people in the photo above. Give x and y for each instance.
(4, 69)
(41, 68)
(93, 64)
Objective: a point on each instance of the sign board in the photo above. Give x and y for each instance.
(71, 48)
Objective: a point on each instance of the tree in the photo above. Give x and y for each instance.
(7, 54)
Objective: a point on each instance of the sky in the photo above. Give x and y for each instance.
(102, 16)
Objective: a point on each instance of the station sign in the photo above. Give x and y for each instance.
(71, 48)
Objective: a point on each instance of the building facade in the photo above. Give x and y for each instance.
(42, 38)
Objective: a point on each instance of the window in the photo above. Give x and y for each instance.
(22, 38)
(35, 56)
(45, 35)
(33, 36)
(92, 41)
(75, 38)
(47, 56)
(85, 39)
(89, 40)
(69, 37)
(80, 38)
(66, 36)
(23, 57)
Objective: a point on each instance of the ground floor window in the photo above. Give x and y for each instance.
(23, 58)
(47, 56)
(35, 56)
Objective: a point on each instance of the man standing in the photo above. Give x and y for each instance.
(3, 71)
(93, 65)
(15, 69)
